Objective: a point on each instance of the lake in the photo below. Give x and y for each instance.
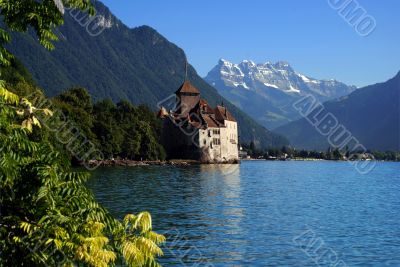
(263, 213)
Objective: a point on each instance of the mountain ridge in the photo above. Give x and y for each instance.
(137, 64)
(371, 114)
(278, 84)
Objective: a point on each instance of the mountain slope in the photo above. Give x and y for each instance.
(266, 91)
(371, 114)
(121, 63)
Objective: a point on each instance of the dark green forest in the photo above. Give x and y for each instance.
(139, 65)
(119, 130)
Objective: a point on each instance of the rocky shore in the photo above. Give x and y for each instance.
(134, 163)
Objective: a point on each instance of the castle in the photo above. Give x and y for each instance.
(194, 130)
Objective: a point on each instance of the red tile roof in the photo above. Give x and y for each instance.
(187, 87)
(211, 122)
(222, 113)
(205, 107)
(200, 114)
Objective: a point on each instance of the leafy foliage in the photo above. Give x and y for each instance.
(5, 56)
(121, 130)
(48, 215)
(43, 16)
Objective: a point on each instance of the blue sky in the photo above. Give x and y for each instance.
(310, 35)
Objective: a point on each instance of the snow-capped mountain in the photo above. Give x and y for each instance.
(279, 75)
(266, 91)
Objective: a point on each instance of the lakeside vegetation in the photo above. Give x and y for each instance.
(285, 153)
(119, 130)
(48, 216)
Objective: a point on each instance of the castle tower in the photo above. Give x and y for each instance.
(188, 97)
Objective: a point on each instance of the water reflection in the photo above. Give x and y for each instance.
(248, 214)
(226, 208)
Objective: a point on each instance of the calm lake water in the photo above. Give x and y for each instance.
(264, 213)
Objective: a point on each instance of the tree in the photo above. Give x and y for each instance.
(107, 129)
(148, 115)
(42, 16)
(76, 104)
(121, 130)
(16, 73)
(128, 121)
(48, 215)
(252, 146)
(336, 154)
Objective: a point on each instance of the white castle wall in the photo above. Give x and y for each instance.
(226, 149)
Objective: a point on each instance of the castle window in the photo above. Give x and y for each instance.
(216, 141)
(216, 131)
(205, 142)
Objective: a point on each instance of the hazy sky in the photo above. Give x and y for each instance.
(310, 35)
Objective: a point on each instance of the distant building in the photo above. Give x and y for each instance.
(242, 154)
(194, 130)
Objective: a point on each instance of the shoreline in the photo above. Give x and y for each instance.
(135, 163)
(179, 163)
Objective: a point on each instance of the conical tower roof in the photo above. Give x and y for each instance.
(187, 87)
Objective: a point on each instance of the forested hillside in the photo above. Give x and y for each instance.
(121, 63)
(371, 114)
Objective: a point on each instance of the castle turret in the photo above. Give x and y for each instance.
(188, 97)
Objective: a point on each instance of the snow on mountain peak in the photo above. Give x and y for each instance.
(224, 61)
(273, 76)
(249, 63)
(282, 65)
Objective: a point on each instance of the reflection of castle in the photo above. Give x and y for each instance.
(194, 130)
